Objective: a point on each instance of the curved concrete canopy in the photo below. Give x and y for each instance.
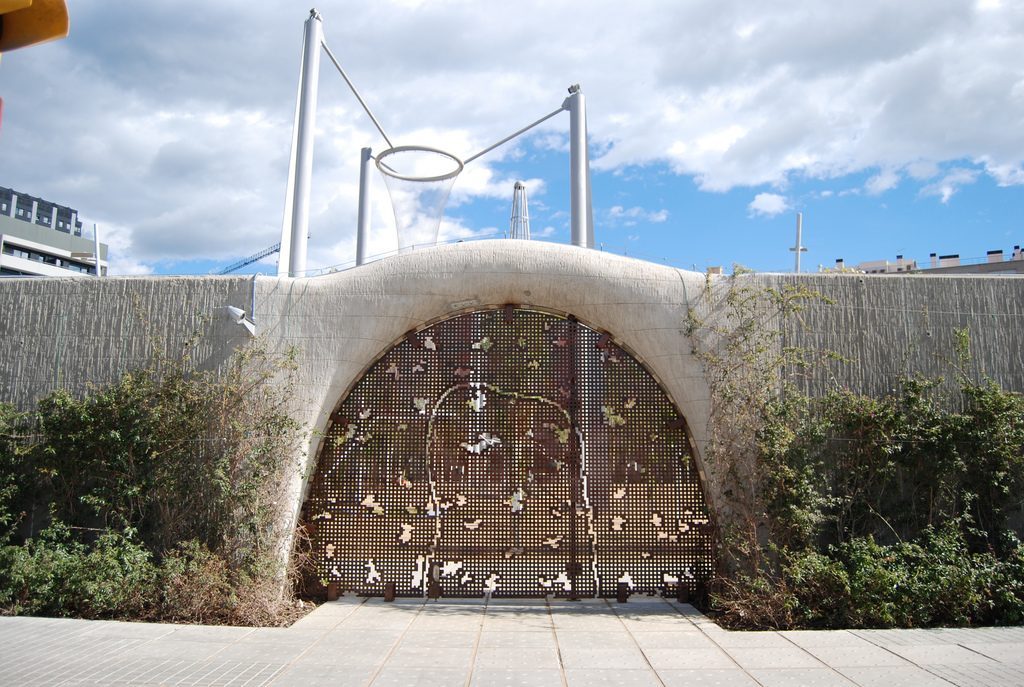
(343, 322)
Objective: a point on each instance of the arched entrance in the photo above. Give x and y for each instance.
(510, 452)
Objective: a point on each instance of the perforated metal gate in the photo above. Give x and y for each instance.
(508, 452)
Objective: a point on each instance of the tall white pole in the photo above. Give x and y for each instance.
(305, 127)
(363, 226)
(96, 249)
(579, 167)
(799, 247)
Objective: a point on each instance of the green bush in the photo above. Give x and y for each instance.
(57, 575)
(152, 498)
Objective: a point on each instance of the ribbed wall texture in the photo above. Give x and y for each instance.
(75, 332)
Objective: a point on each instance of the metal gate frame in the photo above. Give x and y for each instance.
(510, 452)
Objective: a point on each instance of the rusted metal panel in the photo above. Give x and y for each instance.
(509, 452)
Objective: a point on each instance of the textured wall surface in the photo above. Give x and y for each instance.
(72, 332)
(888, 327)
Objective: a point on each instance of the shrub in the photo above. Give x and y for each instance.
(57, 575)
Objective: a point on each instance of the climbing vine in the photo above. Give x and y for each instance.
(842, 510)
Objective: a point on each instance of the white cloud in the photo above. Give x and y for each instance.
(767, 205)
(628, 217)
(884, 181)
(1005, 174)
(950, 183)
(158, 121)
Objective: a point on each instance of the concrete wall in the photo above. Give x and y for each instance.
(72, 332)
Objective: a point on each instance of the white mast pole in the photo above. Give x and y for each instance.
(363, 226)
(302, 155)
(799, 247)
(96, 248)
(579, 170)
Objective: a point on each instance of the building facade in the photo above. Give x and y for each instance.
(995, 262)
(40, 238)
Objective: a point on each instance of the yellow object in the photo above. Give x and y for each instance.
(27, 22)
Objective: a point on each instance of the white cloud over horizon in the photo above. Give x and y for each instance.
(767, 205)
(172, 127)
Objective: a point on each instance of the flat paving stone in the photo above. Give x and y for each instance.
(816, 638)
(792, 657)
(892, 676)
(850, 656)
(510, 658)
(751, 640)
(318, 675)
(489, 677)
(513, 638)
(801, 677)
(589, 677)
(991, 675)
(416, 657)
(528, 642)
(945, 654)
(681, 640)
(394, 676)
(711, 658)
(728, 677)
(625, 657)
(1006, 652)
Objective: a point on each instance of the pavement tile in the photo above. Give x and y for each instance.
(992, 675)
(868, 655)
(751, 640)
(753, 658)
(627, 657)
(416, 657)
(113, 628)
(947, 654)
(261, 651)
(439, 637)
(395, 676)
(509, 658)
(321, 675)
(815, 638)
(591, 622)
(488, 677)
(892, 676)
(1006, 652)
(517, 621)
(580, 639)
(731, 677)
(514, 644)
(190, 651)
(326, 654)
(689, 659)
(658, 623)
(522, 638)
(800, 677)
(680, 639)
(450, 624)
(207, 633)
(599, 677)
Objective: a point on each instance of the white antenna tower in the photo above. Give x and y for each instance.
(519, 224)
(799, 247)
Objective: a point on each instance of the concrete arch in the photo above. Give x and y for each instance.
(342, 323)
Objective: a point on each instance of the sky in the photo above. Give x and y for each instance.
(896, 128)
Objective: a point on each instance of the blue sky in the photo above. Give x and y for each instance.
(895, 128)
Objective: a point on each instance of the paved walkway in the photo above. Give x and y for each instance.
(530, 643)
